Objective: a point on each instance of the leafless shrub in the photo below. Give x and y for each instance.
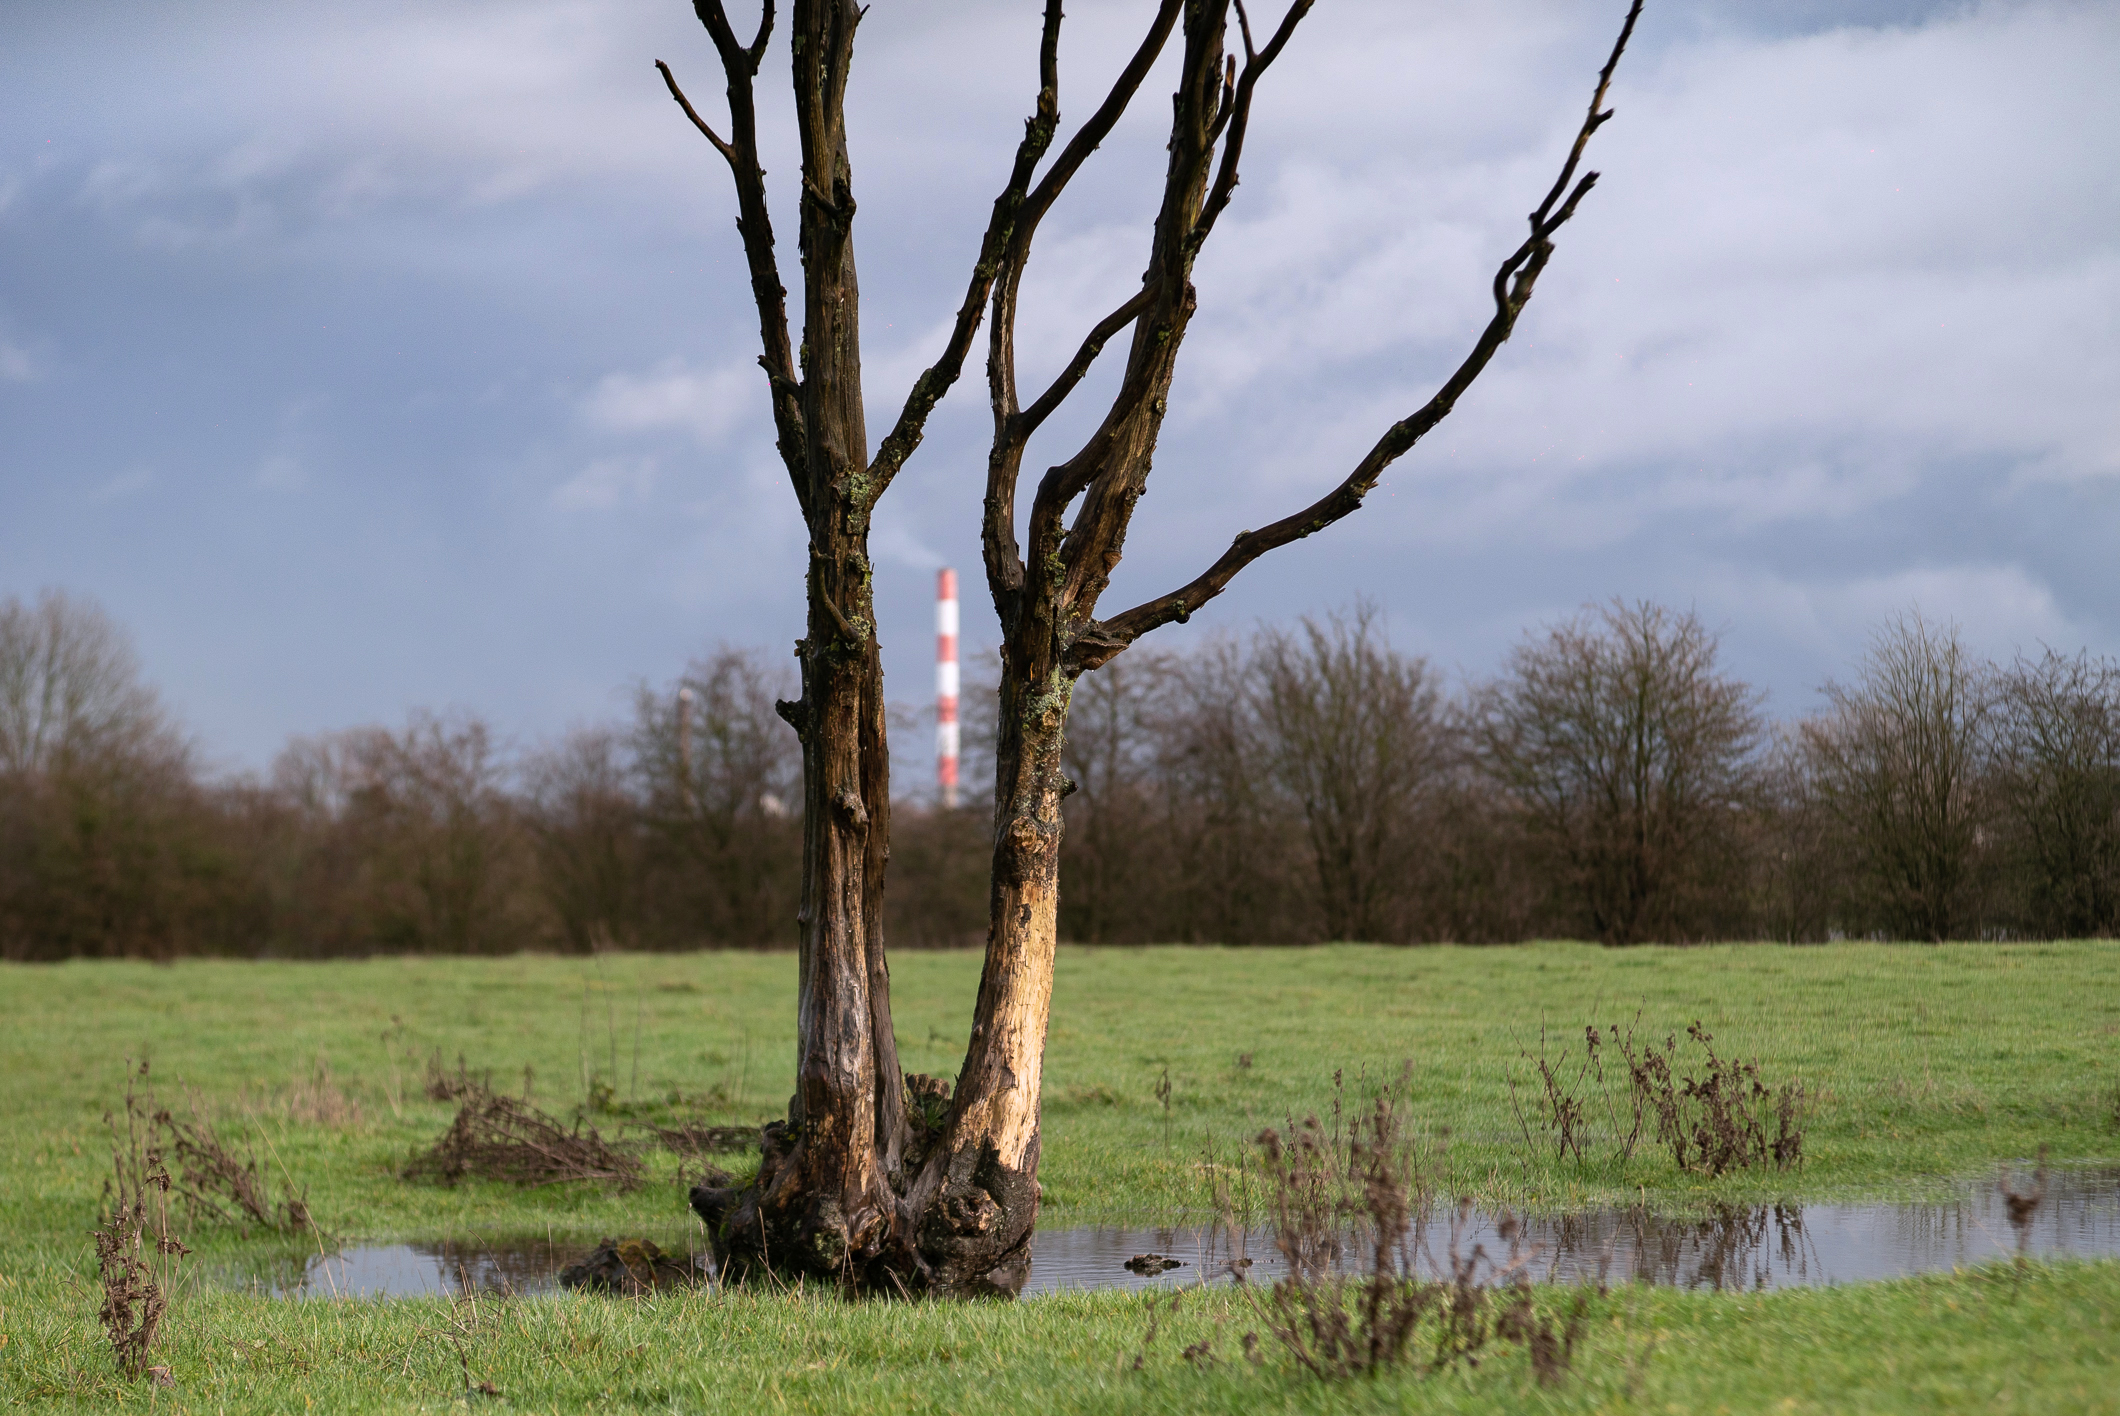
(405, 839)
(1726, 1118)
(1560, 1103)
(136, 1251)
(2057, 736)
(1626, 751)
(108, 842)
(1232, 873)
(586, 810)
(1113, 855)
(1716, 1122)
(720, 775)
(498, 1137)
(1348, 1208)
(1354, 741)
(1898, 766)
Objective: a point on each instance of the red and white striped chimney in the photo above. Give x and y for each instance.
(946, 685)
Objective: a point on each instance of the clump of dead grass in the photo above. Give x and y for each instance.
(499, 1137)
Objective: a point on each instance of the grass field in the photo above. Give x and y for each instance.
(1926, 1064)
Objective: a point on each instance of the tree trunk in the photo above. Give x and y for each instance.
(872, 1178)
(978, 1196)
(857, 1185)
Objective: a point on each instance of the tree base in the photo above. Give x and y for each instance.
(961, 1227)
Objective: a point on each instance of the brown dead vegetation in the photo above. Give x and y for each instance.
(136, 1250)
(1349, 1203)
(499, 1137)
(216, 1181)
(1724, 1118)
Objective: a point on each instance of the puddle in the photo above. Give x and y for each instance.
(1745, 1247)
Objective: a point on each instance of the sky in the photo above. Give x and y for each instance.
(360, 359)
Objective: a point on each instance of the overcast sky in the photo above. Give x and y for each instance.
(362, 358)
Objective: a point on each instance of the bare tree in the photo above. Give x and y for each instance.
(1898, 765)
(1627, 752)
(412, 840)
(2058, 744)
(105, 838)
(851, 1185)
(589, 821)
(1111, 859)
(1353, 739)
(1233, 879)
(721, 782)
(70, 689)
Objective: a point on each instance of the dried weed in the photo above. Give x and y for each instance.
(499, 1137)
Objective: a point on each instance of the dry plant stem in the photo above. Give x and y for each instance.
(214, 1177)
(136, 1252)
(1714, 1123)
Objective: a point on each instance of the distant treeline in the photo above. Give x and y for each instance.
(1304, 784)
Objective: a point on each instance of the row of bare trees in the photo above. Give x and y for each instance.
(1611, 782)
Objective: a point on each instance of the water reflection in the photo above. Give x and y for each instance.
(1747, 1247)
(1735, 1248)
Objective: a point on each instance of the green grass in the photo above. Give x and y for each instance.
(1928, 1065)
(2039, 1340)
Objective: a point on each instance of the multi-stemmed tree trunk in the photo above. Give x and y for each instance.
(879, 1179)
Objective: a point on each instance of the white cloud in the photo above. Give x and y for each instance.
(15, 364)
(606, 483)
(705, 403)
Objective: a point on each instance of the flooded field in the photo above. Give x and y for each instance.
(1749, 1247)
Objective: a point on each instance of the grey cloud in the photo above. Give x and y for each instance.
(1757, 378)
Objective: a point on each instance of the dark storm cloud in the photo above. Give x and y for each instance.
(360, 359)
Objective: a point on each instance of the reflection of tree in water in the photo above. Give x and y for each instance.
(1735, 1247)
(512, 1266)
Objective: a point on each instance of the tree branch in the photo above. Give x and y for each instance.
(1108, 472)
(1004, 561)
(1237, 114)
(754, 223)
(1026, 422)
(932, 384)
(690, 112)
(1099, 642)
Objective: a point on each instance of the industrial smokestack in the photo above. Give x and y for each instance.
(946, 685)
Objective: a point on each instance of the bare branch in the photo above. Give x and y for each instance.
(932, 384)
(1107, 473)
(690, 112)
(1026, 422)
(1004, 464)
(754, 223)
(1237, 114)
(1098, 642)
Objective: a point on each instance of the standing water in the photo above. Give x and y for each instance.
(1737, 1247)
